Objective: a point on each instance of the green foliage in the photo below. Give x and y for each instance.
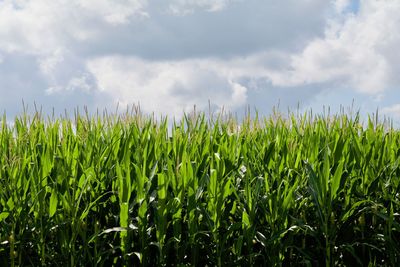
(127, 190)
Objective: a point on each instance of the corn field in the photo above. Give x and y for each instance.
(130, 190)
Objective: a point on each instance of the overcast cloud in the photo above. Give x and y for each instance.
(171, 55)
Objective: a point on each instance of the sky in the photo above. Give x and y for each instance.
(168, 56)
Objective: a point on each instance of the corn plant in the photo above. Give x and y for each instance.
(133, 190)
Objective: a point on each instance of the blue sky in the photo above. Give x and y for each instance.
(354, 6)
(171, 55)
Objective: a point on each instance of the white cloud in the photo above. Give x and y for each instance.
(42, 26)
(392, 111)
(52, 32)
(65, 71)
(356, 53)
(49, 64)
(166, 87)
(69, 43)
(82, 83)
(137, 51)
(341, 5)
(184, 7)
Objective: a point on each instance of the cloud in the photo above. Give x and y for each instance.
(356, 52)
(40, 26)
(55, 46)
(65, 71)
(22, 80)
(341, 5)
(184, 7)
(50, 33)
(241, 28)
(114, 12)
(172, 86)
(171, 55)
(392, 111)
(166, 87)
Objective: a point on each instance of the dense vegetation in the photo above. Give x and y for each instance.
(127, 190)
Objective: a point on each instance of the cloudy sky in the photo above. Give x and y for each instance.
(171, 55)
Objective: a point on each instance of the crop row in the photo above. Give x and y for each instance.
(127, 190)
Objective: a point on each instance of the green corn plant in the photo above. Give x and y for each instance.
(101, 190)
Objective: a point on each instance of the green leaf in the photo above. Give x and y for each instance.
(336, 179)
(53, 203)
(245, 220)
(10, 203)
(4, 215)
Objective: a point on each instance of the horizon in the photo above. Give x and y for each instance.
(133, 111)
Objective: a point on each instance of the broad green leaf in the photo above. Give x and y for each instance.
(245, 220)
(53, 203)
(336, 179)
(4, 215)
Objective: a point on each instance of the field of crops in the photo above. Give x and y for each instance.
(127, 190)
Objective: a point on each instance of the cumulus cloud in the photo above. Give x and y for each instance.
(356, 52)
(166, 87)
(51, 32)
(185, 57)
(39, 26)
